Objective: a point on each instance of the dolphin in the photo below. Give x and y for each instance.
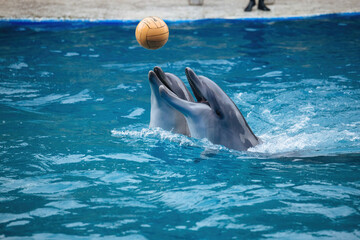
(214, 116)
(162, 114)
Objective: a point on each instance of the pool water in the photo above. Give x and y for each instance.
(77, 159)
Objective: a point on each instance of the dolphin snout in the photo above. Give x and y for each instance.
(159, 73)
(153, 79)
(196, 85)
(190, 74)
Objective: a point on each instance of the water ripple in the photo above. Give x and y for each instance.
(330, 191)
(311, 208)
(326, 234)
(78, 161)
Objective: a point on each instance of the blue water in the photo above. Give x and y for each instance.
(77, 159)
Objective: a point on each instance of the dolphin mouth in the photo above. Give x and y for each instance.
(162, 77)
(194, 84)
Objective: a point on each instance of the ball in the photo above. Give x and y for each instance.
(152, 33)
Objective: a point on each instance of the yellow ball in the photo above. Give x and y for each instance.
(152, 33)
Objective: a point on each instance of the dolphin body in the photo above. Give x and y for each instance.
(162, 114)
(214, 116)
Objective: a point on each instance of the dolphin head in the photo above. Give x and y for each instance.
(208, 92)
(214, 116)
(159, 78)
(162, 114)
(211, 99)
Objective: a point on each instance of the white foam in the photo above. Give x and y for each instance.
(18, 65)
(285, 142)
(71, 54)
(46, 74)
(76, 225)
(299, 125)
(156, 133)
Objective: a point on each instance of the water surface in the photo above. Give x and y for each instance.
(77, 159)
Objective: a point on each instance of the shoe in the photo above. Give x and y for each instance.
(250, 6)
(262, 6)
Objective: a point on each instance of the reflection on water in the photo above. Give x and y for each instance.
(77, 159)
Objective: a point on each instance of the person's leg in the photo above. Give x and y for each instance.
(250, 6)
(262, 6)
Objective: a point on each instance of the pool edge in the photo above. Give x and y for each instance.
(180, 21)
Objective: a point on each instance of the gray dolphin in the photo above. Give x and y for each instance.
(214, 116)
(162, 114)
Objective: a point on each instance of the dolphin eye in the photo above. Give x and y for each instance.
(217, 111)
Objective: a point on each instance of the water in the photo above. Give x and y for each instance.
(77, 159)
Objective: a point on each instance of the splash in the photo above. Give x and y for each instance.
(304, 144)
(158, 134)
(154, 133)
